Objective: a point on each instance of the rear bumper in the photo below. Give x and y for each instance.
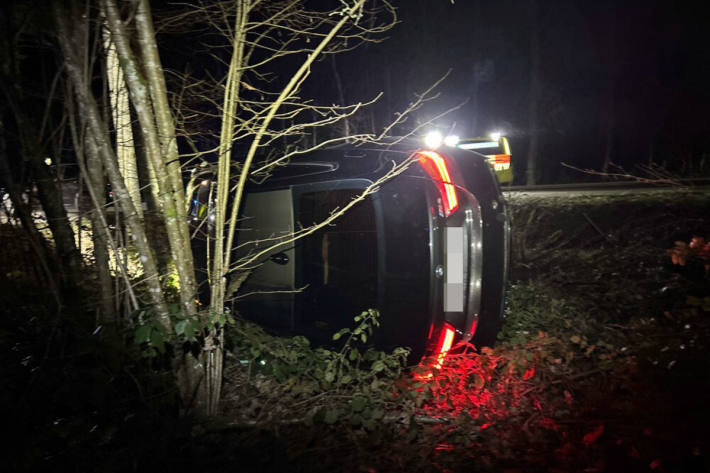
(456, 272)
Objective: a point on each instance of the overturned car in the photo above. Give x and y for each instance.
(429, 249)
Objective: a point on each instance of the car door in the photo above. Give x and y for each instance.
(267, 220)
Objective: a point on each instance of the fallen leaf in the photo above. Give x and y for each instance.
(549, 424)
(591, 437)
(529, 373)
(568, 398)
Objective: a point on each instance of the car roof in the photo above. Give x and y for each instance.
(345, 161)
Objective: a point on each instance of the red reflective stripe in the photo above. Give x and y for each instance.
(435, 165)
(472, 330)
(498, 158)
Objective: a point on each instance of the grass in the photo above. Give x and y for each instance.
(601, 366)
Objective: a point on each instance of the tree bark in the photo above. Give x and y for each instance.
(121, 116)
(51, 198)
(171, 194)
(29, 128)
(611, 96)
(531, 175)
(98, 128)
(93, 172)
(22, 210)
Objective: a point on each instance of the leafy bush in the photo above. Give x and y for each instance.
(282, 380)
(697, 250)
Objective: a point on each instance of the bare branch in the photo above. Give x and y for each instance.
(397, 169)
(655, 175)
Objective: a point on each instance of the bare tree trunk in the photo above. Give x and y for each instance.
(220, 263)
(37, 242)
(223, 243)
(92, 171)
(166, 130)
(149, 96)
(99, 131)
(609, 133)
(50, 195)
(121, 115)
(161, 148)
(611, 98)
(535, 96)
(98, 219)
(48, 187)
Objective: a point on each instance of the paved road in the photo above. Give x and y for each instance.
(596, 189)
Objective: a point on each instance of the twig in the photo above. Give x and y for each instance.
(594, 225)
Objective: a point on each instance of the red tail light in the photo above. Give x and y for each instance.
(446, 339)
(435, 165)
(442, 347)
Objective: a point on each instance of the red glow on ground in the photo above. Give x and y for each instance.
(486, 386)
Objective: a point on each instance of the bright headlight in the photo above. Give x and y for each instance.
(433, 139)
(451, 140)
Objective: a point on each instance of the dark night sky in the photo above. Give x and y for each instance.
(641, 66)
(650, 56)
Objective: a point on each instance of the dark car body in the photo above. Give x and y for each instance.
(429, 249)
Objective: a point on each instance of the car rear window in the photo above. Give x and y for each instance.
(338, 262)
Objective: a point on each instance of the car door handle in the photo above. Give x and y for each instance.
(279, 258)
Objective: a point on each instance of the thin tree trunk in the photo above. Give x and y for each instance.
(166, 134)
(93, 172)
(149, 99)
(171, 195)
(23, 212)
(48, 187)
(611, 98)
(51, 198)
(98, 219)
(609, 133)
(97, 127)
(121, 116)
(220, 263)
(535, 96)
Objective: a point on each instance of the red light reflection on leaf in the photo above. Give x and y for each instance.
(529, 373)
(549, 424)
(591, 437)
